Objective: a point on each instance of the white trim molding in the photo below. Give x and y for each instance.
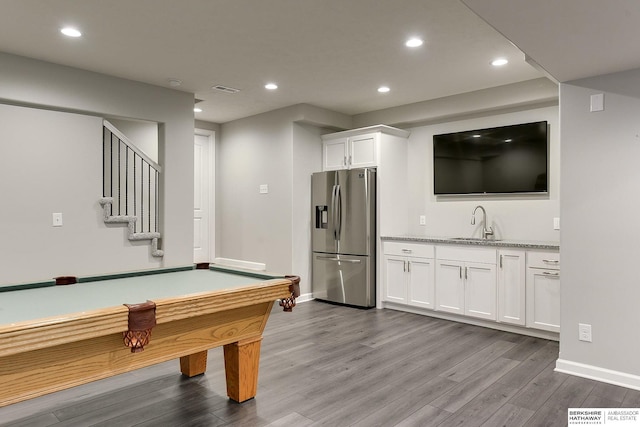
(591, 372)
(305, 298)
(238, 263)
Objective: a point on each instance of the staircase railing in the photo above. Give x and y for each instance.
(131, 179)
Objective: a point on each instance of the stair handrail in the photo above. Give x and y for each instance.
(131, 145)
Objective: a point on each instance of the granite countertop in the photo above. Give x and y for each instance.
(525, 244)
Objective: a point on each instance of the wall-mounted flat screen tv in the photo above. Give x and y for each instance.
(506, 159)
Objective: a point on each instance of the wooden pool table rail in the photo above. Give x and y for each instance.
(48, 355)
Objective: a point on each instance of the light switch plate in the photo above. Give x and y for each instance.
(597, 102)
(556, 223)
(584, 332)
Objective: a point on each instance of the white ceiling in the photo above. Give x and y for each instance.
(329, 53)
(569, 39)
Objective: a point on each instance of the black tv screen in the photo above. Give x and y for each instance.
(506, 159)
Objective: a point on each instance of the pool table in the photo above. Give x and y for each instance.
(56, 337)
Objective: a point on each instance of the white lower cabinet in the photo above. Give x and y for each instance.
(511, 286)
(450, 290)
(543, 291)
(395, 281)
(420, 279)
(409, 274)
(466, 281)
(519, 287)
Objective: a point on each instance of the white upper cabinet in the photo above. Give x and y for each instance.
(335, 154)
(358, 148)
(359, 151)
(363, 151)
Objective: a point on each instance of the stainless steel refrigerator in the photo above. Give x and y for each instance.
(344, 236)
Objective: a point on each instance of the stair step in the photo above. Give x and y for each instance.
(106, 203)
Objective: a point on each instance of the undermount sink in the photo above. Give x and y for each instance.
(475, 239)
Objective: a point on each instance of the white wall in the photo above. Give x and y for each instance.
(46, 86)
(523, 217)
(280, 148)
(483, 102)
(600, 232)
(253, 226)
(143, 134)
(307, 158)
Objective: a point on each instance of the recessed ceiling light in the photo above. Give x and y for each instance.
(508, 140)
(271, 86)
(70, 32)
(175, 82)
(197, 110)
(476, 136)
(413, 42)
(499, 62)
(383, 89)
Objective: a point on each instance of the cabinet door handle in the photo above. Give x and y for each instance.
(466, 273)
(408, 266)
(501, 260)
(551, 261)
(404, 266)
(460, 272)
(407, 251)
(548, 273)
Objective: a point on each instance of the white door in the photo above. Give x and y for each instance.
(203, 197)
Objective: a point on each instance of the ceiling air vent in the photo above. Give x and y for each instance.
(225, 89)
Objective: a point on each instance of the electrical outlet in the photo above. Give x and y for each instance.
(264, 188)
(423, 220)
(57, 219)
(584, 332)
(556, 223)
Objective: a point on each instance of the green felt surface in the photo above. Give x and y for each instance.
(31, 304)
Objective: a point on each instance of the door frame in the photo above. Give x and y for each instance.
(211, 138)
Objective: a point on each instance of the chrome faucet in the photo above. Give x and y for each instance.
(486, 231)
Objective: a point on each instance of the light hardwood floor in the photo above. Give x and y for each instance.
(338, 366)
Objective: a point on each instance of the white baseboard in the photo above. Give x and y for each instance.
(599, 374)
(554, 336)
(304, 298)
(248, 265)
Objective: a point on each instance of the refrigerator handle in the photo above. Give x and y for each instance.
(338, 212)
(333, 212)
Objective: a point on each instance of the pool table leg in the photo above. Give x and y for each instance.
(194, 364)
(241, 360)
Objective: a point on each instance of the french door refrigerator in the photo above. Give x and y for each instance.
(344, 236)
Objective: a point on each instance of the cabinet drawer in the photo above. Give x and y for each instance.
(409, 249)
(547, 260)
(467, 254)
